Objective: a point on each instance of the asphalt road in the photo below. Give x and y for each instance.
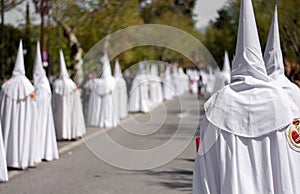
(159, 148)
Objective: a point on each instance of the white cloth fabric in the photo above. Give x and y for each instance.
(168, 87)
(103, 107)
(226, 69)
(94, 104)
(17, 115)
(67, 107)
(204, 76)
(244, 148)
(183, 80)
(176, 81)
(155, 87)
(139, 97)
(219, 81)
(109, 113)
(234, 164)
(274, 62)
(3, 165)
(120, 92)
(46, 145)
(210, 80)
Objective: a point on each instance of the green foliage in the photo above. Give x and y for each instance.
(12, 37)
(221, 34)
(28, 55)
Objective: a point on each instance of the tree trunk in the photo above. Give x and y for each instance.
(76, 50)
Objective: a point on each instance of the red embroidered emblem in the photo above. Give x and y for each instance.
(293, 134)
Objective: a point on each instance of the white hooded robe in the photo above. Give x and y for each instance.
(17, 114)
(109, 113)
(47, 145)
(139, 97)
(274, 62)
(67, 107)
(121, 92)
(244, 148)
(155, 87)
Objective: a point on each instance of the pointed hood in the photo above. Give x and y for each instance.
(248, 60)
(39, 74)
(18, 87)
(38, 70)
(226, 69)
(63, 67)
(106, 69)
(118, 72)
(19, 68)
(240, 107)
(226, 66)
(273, 55)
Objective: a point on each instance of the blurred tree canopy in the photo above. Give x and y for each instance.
(221, 33)
(75, 26)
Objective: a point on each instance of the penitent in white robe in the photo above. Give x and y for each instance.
(17, 115)
(94, 104)
(108, 117)
(67, 110)
(274, 62)
(120, 92)
(245, 147)
(103, 110)
(155, 87)
(168, 87)
(47, 145)
(139, 97)
(67, 106)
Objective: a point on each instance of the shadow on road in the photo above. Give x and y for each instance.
(179, 180)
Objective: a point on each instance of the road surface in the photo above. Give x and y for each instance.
(80, 169)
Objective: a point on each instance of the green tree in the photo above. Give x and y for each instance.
(221, 34)
(28, 58)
